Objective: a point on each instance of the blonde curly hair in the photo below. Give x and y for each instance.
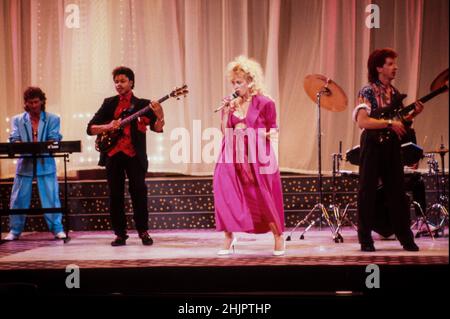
(251, 70)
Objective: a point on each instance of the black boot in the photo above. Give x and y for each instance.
(367, 247)
(119, 241)
(411, 247)
(146, 239)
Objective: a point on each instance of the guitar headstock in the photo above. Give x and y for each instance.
(178, 92)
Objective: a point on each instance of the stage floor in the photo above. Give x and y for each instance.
(183, 264)
(197, 248)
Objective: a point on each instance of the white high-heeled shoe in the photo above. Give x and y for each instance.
(11, 237)
(280, 252)
(228, 251)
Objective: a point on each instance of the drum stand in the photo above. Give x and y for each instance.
(439, 208)
(420, 222)
(339, 217)
(422, 219)
(324, 213)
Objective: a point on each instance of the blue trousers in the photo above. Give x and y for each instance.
(21, 198)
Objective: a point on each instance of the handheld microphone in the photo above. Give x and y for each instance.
(232, 96)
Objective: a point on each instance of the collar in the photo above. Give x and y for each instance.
(383, 86)
(126, 97)
(42, 117)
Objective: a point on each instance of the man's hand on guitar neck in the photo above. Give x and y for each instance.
(418, 109)
(157, 109)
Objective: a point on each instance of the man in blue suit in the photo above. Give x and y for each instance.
(35, 125)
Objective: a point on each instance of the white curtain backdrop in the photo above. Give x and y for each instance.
(171, 42)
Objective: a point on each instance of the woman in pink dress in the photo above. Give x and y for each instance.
(247, 185)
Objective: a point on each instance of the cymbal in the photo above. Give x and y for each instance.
(438, 151)
(335, 101)
(439, 80)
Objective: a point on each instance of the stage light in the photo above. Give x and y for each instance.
(7, 119)
(7, 130)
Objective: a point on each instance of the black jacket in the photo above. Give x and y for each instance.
(106, 114)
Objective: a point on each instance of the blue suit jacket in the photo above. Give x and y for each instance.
(48, 130)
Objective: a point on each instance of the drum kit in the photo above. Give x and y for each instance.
(433, 221)
(329, 96)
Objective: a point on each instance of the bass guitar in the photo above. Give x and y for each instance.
(107, 140)
(395, 111)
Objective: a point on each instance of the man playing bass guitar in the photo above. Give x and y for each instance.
(127, 155)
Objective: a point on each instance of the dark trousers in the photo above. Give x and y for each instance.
(382, 161)
(116, 168)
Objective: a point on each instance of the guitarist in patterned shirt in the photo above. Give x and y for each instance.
(380, 158)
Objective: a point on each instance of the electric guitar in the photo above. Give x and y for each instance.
(395, 111)
(107, 140)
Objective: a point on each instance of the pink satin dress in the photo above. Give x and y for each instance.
(247, 191)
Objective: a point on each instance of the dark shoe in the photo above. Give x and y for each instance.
(411, 247)
(119, 241)
(367, 247)
(146, 239)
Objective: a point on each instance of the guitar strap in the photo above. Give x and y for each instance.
(397, 93)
